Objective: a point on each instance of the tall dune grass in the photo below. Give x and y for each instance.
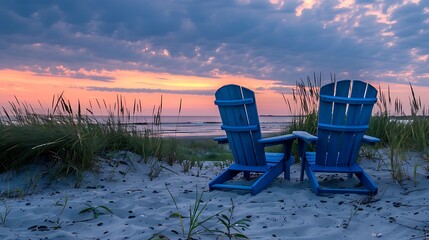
(396, 127)
(305, 98)
(401, 133)
(70, 139)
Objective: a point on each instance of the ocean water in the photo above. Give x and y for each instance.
(188, 126)
(185, 126)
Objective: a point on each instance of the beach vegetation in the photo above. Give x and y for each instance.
(204, 149)
(346, 222)
(121, 163)
(305, 101)
(5, 214)
(155, 168)
(96, 211)
(401, 133)
(193, 152)
(28, 185)
(71, 140)
(195, 224)
(187, 165)
(63, 206)
(232, 227)
(13, 193)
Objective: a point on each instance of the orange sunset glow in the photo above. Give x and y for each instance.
(32, 88)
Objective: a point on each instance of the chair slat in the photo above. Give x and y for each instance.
(353, 115)
(338, 117)
(238, 102)
(364, 117)
(253, 119)
(240, 128)
(325, 116)
(354, 100)
(343, 128)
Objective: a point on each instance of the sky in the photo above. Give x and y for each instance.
(183, 50)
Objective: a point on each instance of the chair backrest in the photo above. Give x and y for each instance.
(237, 108)
(344, 113)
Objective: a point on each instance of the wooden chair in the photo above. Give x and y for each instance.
(237, 108)
(344, 113)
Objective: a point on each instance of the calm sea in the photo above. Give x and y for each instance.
(184, 126)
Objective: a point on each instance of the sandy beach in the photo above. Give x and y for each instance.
(122, 202)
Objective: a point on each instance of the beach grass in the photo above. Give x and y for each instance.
(194, 222)
(4, 214)
(401, 133)
(71, 141)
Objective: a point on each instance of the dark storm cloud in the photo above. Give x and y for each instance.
(205, 38)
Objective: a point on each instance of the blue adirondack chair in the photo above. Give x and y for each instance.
(344, 113)
(237, 108)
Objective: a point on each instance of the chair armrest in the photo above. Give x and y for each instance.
(221, 140)
(286, 141)
(307, 137)
(276, 140)
(370, 140)
(304, 138)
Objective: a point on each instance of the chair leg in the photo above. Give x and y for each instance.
(287, 173)
(303, 166)
(266, 178)
(223, 177)
(370, 187)
(367, 182)
(312, 179)
(286, 167)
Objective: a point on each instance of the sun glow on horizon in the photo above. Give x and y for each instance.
(195, 93)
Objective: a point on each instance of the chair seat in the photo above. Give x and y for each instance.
(239, 167)
(273, 157)
(272, 160)
(311, 159)
(333, 169)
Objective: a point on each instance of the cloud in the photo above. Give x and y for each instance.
(383, 40)
(150, 90)
(62, 71)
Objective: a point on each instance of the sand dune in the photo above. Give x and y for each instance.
(141, 208)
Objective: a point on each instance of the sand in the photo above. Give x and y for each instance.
(124, 203)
